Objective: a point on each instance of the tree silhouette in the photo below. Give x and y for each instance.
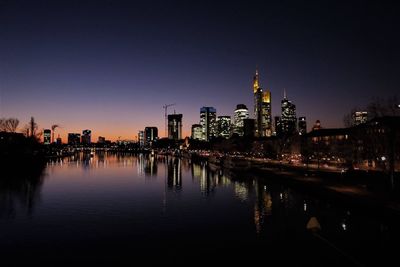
(8, 125)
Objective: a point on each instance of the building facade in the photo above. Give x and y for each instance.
(249, 127)
(86, 137)
(197, 132)
(224, 126)
(208, 122)
(360, 117)
(241, 113)
(74, 139)
(175, 126)
(46, 136)
(288, 116)
(150, 135)
(262, 109)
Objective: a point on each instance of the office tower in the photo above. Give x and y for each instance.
(241, 113)
(360, 117)
(248, 127)
(197, 132)
(46, 136)
(288, 117)
(302, 126)
(150, 135)
(74, 139)
(262, 109)
(278, 126)
(208, 122)
(141, 138)
(86, 137)
(224, 126)
(175, 126)
(101, 140)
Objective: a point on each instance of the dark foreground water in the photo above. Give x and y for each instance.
(130, 209)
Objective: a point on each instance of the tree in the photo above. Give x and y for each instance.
(8, 125)
(380, 107)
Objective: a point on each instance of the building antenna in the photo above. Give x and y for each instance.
(165, 107)
(284, 93)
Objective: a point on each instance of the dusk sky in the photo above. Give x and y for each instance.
(110, 66)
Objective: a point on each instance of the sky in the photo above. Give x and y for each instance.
(110, 66)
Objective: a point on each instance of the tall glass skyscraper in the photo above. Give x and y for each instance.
(208, 122)
(224, 126)
(262, 109)
(288, 117)
(241, 113)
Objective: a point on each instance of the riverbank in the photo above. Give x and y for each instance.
(364, 190)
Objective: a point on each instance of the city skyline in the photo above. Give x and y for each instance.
(111, 68)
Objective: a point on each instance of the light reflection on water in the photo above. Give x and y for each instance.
(114, 197)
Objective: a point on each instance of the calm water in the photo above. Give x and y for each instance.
(114, 208)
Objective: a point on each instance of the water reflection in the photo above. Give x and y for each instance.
(174, 174)
(205, 205)
(20, 188)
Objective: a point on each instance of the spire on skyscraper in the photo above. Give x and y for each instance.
(255, 82)
(284, 93)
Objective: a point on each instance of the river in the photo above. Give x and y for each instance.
(122, 208)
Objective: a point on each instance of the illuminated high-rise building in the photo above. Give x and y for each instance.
(224, 126)
(86, 137)
(241, 113)
(175, 126)
(302, 126)
(208, 122)
(262, 109)
(288, 117)
(46, 136)
(360, 117)
(197, 132)
(141, 138)
(150, 135)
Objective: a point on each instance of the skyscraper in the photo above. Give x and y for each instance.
(302, 126)
(197, 132)
(46, 136)
(248, 127)
(224, 126)
(86, 137)
(288, 117)
(278, 126)
(241, 113)
(262, 109)
(141, 138)
(208, 122)
(150, 135)
(74, 138)
(175, 126)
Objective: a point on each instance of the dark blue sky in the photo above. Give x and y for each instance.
(110, 66)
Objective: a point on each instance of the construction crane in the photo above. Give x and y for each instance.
(165, 116)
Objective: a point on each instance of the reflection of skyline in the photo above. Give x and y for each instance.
(20, 189)
(174, 174)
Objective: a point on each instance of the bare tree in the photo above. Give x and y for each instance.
(379, 107)
(8, 125)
